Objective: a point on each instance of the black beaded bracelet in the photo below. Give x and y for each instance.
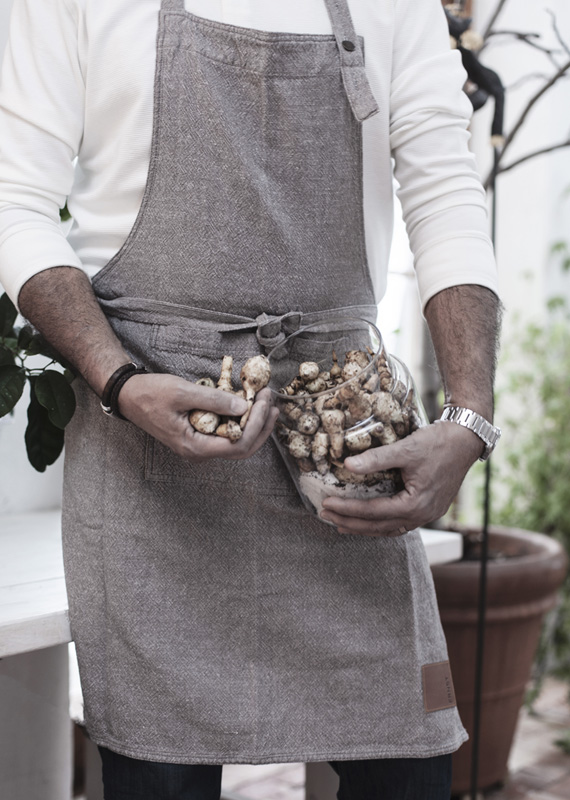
(110, 398)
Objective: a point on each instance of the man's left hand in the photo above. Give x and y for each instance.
(433, 460)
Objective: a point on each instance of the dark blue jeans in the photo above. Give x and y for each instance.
(376, 779)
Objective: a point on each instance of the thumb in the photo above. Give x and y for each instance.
(377, 459)
(216, 400)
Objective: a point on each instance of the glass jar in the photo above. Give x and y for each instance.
(340, 393)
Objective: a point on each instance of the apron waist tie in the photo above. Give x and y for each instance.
(270, 330)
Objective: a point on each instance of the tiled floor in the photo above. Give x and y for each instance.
(539, 769)
(264, 782)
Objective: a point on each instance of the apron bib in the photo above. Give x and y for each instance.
(215, 620)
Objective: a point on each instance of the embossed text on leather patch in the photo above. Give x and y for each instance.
(438, 686)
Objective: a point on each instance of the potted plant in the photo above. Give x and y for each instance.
(524, 574)
(526, 569)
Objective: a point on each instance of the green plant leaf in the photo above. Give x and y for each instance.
(25, 337)
(33, 344)
(56, 395)
(36, 347)
(556, 302)
(8, 314)
(12, 382)
(6, 357)
(44, 442)
(564, 742)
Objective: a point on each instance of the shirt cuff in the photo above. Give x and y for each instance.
(24, 253)
(456, 261)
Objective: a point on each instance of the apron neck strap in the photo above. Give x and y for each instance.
(172, 5)
(354, 77)
(351, 53)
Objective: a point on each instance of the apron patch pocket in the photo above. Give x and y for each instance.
(263, 473)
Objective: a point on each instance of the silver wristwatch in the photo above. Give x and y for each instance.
(488, 433)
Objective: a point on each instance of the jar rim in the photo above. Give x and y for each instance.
(329, 321)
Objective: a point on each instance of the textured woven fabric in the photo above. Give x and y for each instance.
(217, 621)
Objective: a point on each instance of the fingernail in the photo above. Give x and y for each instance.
(238, 405)
(355, 461)
(326, 516)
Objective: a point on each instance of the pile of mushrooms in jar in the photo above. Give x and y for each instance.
(330, 412)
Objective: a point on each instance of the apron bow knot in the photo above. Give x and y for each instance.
(270, 331)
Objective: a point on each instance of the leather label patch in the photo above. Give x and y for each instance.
(438, 686)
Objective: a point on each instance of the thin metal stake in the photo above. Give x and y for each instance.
(480, 636)
(484, 559)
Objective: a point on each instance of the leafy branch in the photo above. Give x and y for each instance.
(533, 476)
(494, 16)
(52, 400)
(562, 70)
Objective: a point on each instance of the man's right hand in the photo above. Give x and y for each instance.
(160, 405)
(61, 304)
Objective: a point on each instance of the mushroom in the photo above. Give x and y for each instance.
(335, 370)
(308, 423)
(359, 407)
(351, 370)
(293, 411)
(229, 430)
(333, 424)
(299, 445)
(308, 371)
(255, 375)
(357, 441)
(225, 381)
(204, 421)
(317, 385)
(385, 408)
(388, 435)
(319, 451)
(357, 357)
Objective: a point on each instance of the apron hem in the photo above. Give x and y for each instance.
(364, 753)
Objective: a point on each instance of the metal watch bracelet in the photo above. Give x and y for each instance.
(488, 433)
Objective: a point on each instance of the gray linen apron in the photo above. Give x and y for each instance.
(217, 621)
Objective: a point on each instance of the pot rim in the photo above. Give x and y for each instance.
(545, 547)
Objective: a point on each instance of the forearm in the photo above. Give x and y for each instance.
(61, 304)
(464, 325)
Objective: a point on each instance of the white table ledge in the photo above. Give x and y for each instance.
(33, 601)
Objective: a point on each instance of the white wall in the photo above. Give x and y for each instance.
(531, 211)
(21, 487)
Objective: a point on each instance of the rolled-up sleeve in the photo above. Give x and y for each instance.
(41, 123)
(440, 189)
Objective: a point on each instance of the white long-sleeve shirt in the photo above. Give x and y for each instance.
(76, 106)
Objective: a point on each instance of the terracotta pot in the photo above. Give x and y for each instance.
(521, 588)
